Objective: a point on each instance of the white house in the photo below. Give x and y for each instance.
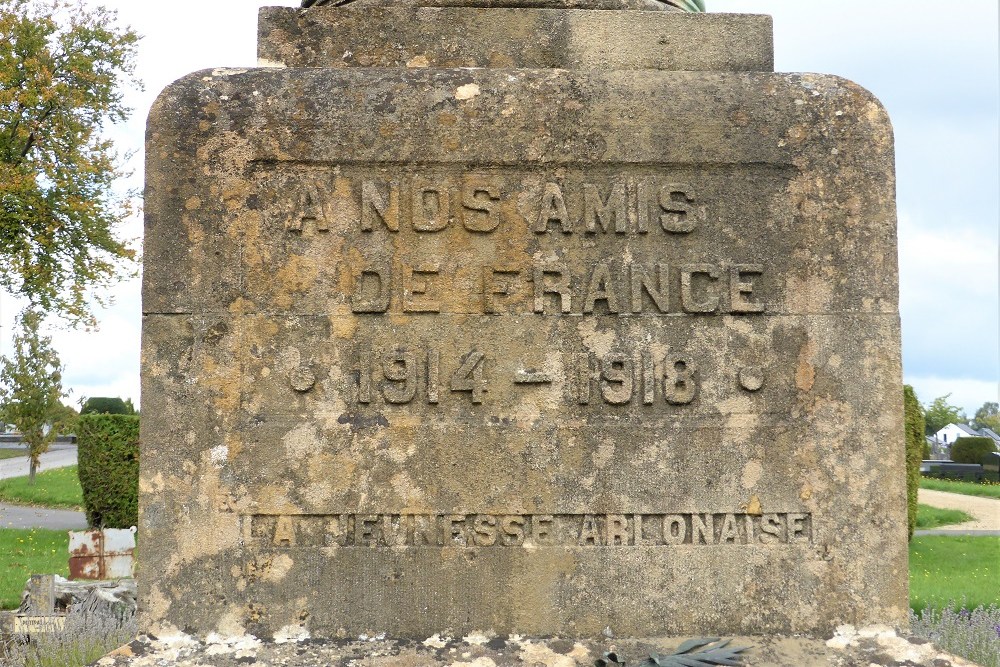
(953, 432)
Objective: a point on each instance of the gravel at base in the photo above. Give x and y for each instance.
(985, 510)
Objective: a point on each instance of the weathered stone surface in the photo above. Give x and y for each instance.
(399, 35)
(519, 350)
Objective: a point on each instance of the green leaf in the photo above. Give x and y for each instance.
(693, 644)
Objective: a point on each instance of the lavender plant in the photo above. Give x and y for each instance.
(971, 634)
(85, 638)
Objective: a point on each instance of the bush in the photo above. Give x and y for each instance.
(971, 450)
(109, 469)
(913, 422)
(106, 405)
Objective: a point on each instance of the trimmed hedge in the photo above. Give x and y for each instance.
(971, 450)
(913, 421)
(109, 469)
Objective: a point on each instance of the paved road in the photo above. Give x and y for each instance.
(15, 516)
(985, 511)
(59, 456)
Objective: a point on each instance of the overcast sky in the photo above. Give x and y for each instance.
(933, 64)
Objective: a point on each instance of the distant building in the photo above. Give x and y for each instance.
(953, 432)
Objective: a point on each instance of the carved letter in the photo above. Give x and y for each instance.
(311, 208)
(617, 531)
(492, 287)
(485, 200)
(589, 534)
(512, 530)
(362, 299)
(601, 288)
(374, 206)
(740, 290)
(729, 533)
(455, 528)
(423, 530)
(541, 528)
(675, 529)
(688, 301)
(484, 528)
(679, 216)
(416, 283)
(560, 287)
(596, 209)
(364, 530)
(772, 529)
(642, 280)
(702, 529)
(431, 212)
(553, 209)
(798, 528)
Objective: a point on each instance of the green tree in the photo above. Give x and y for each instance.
(63, 67)
(988, 415)
(31, 388)
(106, 405)
(972, 449)
(940, 413)
(914, 433)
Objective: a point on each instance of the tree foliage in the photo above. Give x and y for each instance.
(940, 413)
(971, 449)
(988, 416)
(914, 433)
(63, 68)
(31, 388)
(107, 405)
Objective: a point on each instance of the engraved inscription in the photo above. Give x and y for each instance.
(400, 375)
(481, 203)
(552, 288)
(543, 530)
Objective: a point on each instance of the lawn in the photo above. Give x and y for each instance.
(962, 570)
(59, 487)
(934, 517)
(27, 552)
(965, 488)
(12, 453)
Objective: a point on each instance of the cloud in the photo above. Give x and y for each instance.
(966, 394)
(948, 301)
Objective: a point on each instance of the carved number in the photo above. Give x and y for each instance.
(469, 376)
(620, 378)
(406, 373)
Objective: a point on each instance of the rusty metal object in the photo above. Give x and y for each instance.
(101, 554)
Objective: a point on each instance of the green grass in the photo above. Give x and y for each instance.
(59, 487)
(12, 453)
(965, 488)
(934, 517)
(946, 570)
(27, 552)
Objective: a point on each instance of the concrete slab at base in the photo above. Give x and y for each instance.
(868, 647)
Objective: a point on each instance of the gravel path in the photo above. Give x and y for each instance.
(986, 511)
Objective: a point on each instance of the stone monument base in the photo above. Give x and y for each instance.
(849, 647)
